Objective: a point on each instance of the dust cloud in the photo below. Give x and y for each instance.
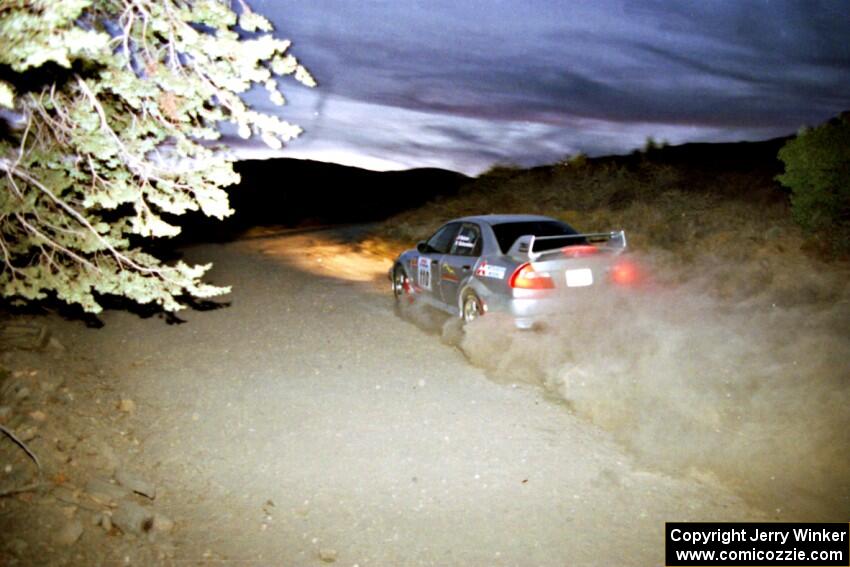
(712, 376)
(449, 329)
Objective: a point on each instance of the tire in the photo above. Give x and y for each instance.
(401, 283)
(471, 309)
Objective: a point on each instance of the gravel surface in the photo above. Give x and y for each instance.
(307, 424)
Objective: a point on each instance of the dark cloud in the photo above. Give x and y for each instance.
(695, 69)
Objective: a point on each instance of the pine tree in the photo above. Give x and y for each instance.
(112, 111)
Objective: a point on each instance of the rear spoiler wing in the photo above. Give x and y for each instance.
(523, 248)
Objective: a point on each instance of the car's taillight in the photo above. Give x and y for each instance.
(624, 273)
(525, 277)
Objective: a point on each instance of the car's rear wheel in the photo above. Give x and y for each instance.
(401, 283)
(472, 308)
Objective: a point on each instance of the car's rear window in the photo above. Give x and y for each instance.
(507, 233)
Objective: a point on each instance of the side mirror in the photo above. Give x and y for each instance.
(422, 247)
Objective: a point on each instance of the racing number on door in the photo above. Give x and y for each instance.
(424, 273)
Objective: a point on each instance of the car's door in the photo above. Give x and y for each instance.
(456, 266)
(427, 269)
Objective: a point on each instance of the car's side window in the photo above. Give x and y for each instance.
(442, 240)
(467, 242)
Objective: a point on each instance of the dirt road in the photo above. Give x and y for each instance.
(307, 423)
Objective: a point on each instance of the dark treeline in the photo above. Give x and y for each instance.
(302, 193)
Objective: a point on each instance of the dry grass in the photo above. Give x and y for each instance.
(737, 224)
(589, 191)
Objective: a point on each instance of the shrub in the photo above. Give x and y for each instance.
(817, 171)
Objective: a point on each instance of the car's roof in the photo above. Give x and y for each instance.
(501, 219)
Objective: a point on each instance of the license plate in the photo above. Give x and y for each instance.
(579, 278)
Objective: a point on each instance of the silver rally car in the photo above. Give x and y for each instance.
(522, 265)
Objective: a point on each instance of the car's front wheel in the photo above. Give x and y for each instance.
(472, 308)
(401, 283)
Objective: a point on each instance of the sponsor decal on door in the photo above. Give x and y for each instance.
(424, 273)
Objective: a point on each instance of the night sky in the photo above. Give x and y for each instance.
(465, 84)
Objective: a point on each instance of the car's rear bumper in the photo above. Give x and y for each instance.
(528, 313)
(536, 307)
